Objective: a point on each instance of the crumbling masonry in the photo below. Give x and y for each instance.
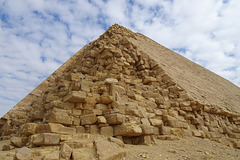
(112, 88)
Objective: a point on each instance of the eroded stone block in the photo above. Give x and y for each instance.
(115, 118)
(128, 130)
(75, 97)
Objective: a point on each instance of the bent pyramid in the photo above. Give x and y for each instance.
(126, 85)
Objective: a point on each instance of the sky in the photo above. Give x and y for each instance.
(37, 37)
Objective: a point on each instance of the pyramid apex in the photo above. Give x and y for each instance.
(118, 29)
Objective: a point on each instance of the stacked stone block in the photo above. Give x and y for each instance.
(112, 89)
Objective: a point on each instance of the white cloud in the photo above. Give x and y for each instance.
(36, 36)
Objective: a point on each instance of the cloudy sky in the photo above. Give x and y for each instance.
(36, 37)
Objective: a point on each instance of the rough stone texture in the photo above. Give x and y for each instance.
(45, 139)
(54, 155)
(54, 128)
(88, 119)
(75, 96)
(115, 118)
(124, 85)
(19, 141)
(80, 155)
(23, 153)
(65, 151)
(128, 130)
(109, 149)
(106, 131)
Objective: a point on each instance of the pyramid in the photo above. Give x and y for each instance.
(127, 86)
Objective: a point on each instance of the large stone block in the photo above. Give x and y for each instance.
(128, 130)
(101, 120)
(85, 85)
(59, 116)
(93, 129)
(148, 80)
(65, 151)
(23, 153)
(165, 130)
(106, 54)
(80, 155)
(75, 97)
(149, 130)
(54, 128)
(145, 121)
(80, 129)
(177, 124)
(88, 119)
(151, 104)
(109, 150)
(106, 131)
(19, 141)
(106, 99)
(155, 122)
(54, 155)
(131, 94)
(101, 106)
(115, 118)
(45, 139)
(117, 89)
(28, 129)
(110, 80)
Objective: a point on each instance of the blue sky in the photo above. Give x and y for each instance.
(36, 37)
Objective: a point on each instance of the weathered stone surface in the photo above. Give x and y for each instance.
(117, 89)
(151, 104)
(45, 139)
(80, 155)
(65, 151)
(88, 119)
(115, 118)
(110, 80)
(101, 106)
(144, 139)
(101, 120)
(106, 55)
(23, 153)
(59, 116)
(75, 97)
(165, 130)
(76, 143)
(80, 129)
(145, 121)
(28, 129)
(106, 99)
(128, 130)
(19, 141)
(85, 86)
(148, 80)
(149, 130)
(93, 129)
(54, 128)
(131, 94)
(109, 150)
(106, 131)
(155, 122)
(198, 133)
(236, 144)
(52, 156)
(175, 122)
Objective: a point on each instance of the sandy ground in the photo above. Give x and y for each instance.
(184, 149)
